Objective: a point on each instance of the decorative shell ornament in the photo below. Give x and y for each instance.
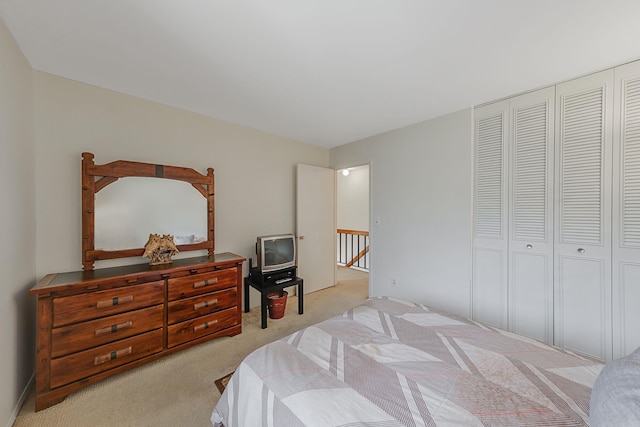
(159, 249)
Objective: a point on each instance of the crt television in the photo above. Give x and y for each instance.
(276, 252)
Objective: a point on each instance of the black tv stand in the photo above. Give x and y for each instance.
(271, 287)
(270, 278)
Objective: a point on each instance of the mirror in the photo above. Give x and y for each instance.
(131, 204)
(128, 210)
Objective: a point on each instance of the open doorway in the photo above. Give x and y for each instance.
(352, 235)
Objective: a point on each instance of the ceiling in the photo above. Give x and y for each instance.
(325, 72)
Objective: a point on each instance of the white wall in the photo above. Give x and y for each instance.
(17, 225)
(352, 194)
(421, 192)
(254, 171)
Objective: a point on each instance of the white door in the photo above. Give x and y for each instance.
(490, 239)
(582, 315)
(531, 214)
(626, 210)
(316, 226)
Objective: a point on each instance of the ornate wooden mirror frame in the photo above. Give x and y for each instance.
(96, 177)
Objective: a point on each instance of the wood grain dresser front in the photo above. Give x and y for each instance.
(94, 324)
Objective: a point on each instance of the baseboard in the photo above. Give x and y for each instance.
(23, 397)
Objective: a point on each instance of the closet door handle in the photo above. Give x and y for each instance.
(529, 246)
(580, 250)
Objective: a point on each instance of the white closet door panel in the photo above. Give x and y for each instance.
(531, 174)
(582, 153)
(626, 210)
(583, 215)
(490, 201)
(626, 314)
(489, 300)
(583, 325)
(531, 294)
(530, 287)
(531, 214)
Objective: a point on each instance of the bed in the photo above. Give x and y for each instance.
(390, 362)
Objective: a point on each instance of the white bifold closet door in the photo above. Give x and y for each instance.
(530, 289)
(513, 214)
(582, 315)
(626, 210)
(490, 238)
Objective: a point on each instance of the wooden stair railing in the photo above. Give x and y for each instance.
(357, 257)
(352, 241)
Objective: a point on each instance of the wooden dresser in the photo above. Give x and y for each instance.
(94, 324)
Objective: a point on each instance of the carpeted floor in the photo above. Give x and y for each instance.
(179, 390)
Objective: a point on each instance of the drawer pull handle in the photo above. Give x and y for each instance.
(205, 304)
(204, 283)
(205, 325)
(132, 281)
(111, 356)
(114, 301)
(113, 328)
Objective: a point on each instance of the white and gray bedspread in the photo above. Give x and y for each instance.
(393, 363)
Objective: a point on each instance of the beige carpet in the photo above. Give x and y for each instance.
(179, 390)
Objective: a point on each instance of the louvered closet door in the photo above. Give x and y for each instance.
(626, 210)
(531, 215)
(489, 288)
(582, 317)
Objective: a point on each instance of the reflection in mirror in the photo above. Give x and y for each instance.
(130, 209)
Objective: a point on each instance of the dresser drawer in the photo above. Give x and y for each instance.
(201, 326)
(70, 368)
(92, 333)
(188, 308)
(197, 284)
(93, 305)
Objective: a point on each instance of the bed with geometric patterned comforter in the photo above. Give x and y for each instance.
(394, 363)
